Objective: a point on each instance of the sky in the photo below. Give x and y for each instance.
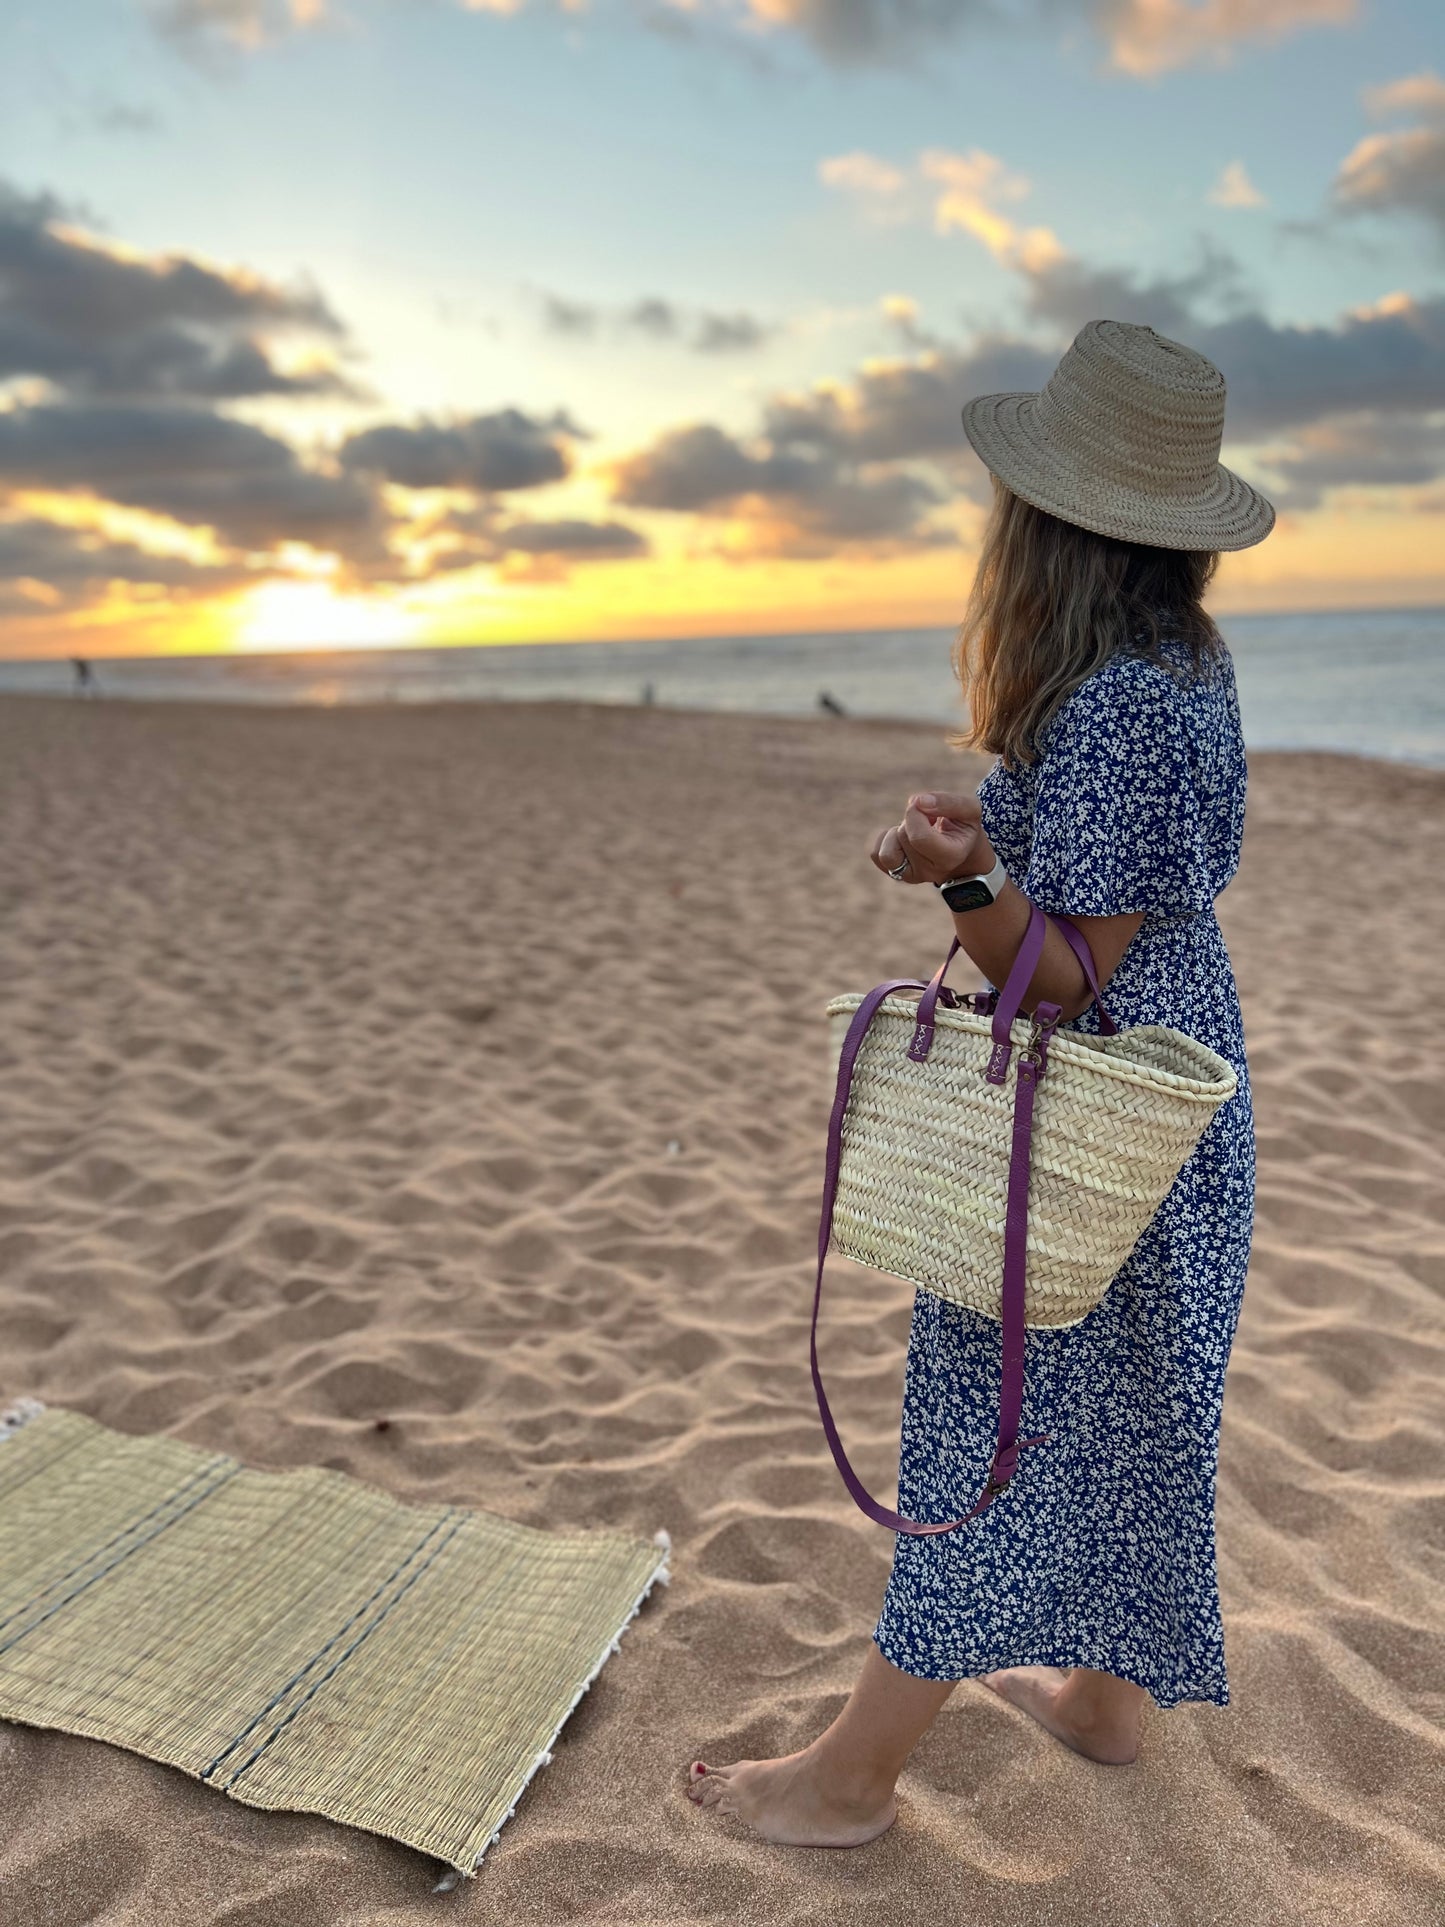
(378, 321)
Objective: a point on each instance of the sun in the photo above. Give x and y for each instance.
(309, 615)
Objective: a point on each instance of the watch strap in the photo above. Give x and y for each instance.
(993, 882)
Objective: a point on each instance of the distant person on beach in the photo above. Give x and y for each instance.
(1107, 696)
(85, 683)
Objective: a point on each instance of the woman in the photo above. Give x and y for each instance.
(1117, 799)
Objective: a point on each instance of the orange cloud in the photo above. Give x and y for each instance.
(1149, 37)
(1402, 170)
(1234, 188)
(862, 173)
(970, 186)
(962, 192)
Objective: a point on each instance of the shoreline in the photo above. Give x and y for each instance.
(542, 706)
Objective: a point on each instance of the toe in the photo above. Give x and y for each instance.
(704, 1784)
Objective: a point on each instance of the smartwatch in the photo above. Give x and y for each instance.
(974, 893)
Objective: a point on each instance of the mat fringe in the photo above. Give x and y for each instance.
(13, 1418)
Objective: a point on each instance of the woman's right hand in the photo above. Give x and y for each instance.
(940, 838)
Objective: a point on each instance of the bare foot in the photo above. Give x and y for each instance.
(1108, 1734)
(793, 1801)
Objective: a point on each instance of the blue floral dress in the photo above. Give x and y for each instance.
(1101, 1553)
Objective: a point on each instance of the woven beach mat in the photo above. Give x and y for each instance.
(296, 1639)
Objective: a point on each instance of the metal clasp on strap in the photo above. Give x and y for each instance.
(1041, 1031)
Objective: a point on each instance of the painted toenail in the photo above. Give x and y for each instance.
(698, 1767)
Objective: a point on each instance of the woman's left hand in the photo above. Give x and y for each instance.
(940, 837)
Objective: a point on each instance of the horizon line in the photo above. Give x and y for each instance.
(701, 636)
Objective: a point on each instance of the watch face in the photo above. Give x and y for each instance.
(970, 894)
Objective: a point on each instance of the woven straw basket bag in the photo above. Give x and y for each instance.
(957, 1164)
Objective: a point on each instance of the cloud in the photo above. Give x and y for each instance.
(842, 31)
(1389, 359)
(782, 500)
(1422, 93)
(525, 549)
(855, 32)
(94, 318)
(703, 330)
(872, 510)
(1322, 406)
(1333, 402)
(1149, 37)
(123, 363)
(1403, 169)
(119, 359)
(901, 314)
(250, 487)
(505, 450)
(489, 457)
(961, 192)
(1142, 38)
(113, 116)
(703, 467)
(1359, 451)
(199, 468)
(729, 334)
(242, 24)
(904, 410)
(572, 537)
(46, 564)
(878, 184)
(561, 317)
(970, 186)
(1066, 291)
(1234, 188)
(654, 316)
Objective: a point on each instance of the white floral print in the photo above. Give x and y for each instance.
(1102, 1552)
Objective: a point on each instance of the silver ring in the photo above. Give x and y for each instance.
(902, 871)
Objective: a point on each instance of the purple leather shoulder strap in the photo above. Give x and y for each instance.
(1031, 1067)
(1079, 944)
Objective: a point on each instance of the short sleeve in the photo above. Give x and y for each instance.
(1117, 817)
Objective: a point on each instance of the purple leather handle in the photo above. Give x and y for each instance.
(1030, 1069)
(1010, 999)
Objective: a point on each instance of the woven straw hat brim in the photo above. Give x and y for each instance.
(1005, 433)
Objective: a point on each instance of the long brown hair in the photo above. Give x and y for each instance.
(1051, 603)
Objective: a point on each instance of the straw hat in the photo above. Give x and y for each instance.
(1124, 439)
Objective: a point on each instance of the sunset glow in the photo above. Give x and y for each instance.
(310, 615)
(263, 388)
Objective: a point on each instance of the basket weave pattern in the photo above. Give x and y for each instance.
(924, 1174)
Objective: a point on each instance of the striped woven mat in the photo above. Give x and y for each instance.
(296, 1639)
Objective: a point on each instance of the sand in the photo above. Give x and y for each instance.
(465, 1068)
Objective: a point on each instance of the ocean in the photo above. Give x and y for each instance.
(1371, 683)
